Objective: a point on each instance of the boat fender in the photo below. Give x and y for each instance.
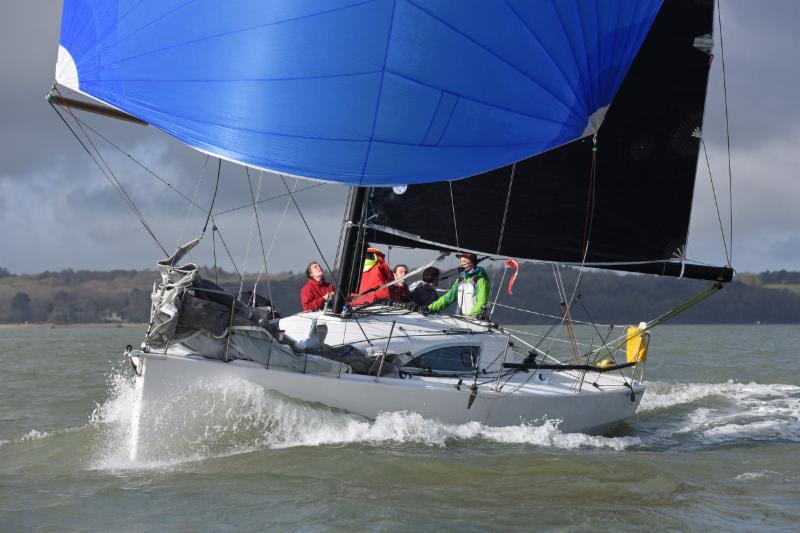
(636, 343)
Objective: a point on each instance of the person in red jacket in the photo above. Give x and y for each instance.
(316, 291)
(376, 274)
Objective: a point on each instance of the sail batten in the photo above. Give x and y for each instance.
(378, 92)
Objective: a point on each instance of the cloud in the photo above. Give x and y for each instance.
(61, 212)
(765, 196)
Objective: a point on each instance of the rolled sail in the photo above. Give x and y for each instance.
(378, 92)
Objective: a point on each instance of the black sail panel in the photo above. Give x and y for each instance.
(632, 213)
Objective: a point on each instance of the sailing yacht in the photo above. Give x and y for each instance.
(561, 132)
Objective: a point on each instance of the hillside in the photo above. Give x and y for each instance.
(123, 296)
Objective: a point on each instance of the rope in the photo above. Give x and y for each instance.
(310, 233)
(453, 207)
(110, 176)
(142, 165)
(716, 203)
(727, 125)
(213, 199)
(194, 197)
(588, 222)
(567, 319)
(339, 289)
(398, 280)
(249, 242)
(499, 287)
(694, 300)
(505, 209)
(500, 237)
(280, 222)
(224, 245)
(547, 316)
(214, 249)
(277, 196)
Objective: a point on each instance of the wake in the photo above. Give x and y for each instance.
(234, 416)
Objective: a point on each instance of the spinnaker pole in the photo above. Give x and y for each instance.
(97, 109)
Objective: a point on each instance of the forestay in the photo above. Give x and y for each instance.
(378, 92)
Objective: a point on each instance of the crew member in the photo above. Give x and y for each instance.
(316, 291)
(470, 290)
(399, 291)
(424, 292)
(376, 274)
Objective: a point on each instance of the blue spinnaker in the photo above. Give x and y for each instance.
(376, 92)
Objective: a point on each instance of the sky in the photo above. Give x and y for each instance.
(58, 211)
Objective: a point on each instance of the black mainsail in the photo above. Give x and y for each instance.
(623, 204)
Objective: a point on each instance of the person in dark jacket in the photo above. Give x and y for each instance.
(424, 292)
(316, 291)
(399, 291)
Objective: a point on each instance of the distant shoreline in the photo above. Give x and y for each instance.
(108, 325)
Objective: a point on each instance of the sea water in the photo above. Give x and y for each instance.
(715, 445)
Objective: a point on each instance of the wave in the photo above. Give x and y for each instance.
(723, 413)
(35, 434)
(235, 416)
(664, 395)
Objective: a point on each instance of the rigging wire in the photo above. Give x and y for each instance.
(588, 221)
(213, 198)
(193, 200)
(716, 203)
(566, 309)
(265, 200)
(727, 127)
(249, 237)
(548, 316)
(502, 233)
(194, 197)
(310, 233)
(453, 207)
(227, 250)
(142, 165)
(110, 176)
(261, 239)
(280, 221)
(214, 251)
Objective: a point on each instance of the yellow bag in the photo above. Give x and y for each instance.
(636, 343)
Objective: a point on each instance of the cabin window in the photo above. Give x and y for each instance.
(448, 358)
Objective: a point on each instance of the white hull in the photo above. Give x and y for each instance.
(589, 410)
(525, 398)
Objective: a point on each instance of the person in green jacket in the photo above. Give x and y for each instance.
(470, 290)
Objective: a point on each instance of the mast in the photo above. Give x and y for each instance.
(352, 250)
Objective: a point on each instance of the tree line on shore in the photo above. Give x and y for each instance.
(124, 296)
